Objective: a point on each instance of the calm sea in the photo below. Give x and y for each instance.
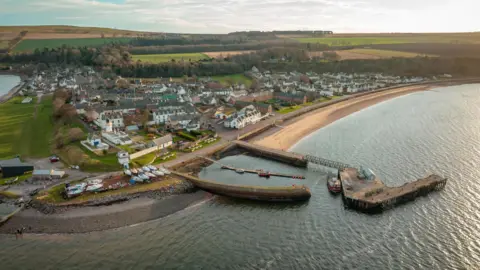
(7, 82)
(401, 140)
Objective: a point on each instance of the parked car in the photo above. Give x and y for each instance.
(54, 159)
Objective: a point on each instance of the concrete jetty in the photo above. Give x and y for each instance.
(278, 155)
(259, 193)
(371, 194)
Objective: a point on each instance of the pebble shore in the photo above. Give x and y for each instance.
(107, 213)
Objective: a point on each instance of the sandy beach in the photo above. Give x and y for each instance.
(297, 128)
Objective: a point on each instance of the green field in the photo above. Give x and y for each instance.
(37, 132)
(235, 78)
(32, 44)
(354, 40)
(386, 53)
(161, 58)
(13, 117)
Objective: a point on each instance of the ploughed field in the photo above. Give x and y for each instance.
(369, 54)
(446, 50)
(161, 58)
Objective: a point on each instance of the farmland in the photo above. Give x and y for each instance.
(446, 50)
(224, 54)
(65, 29)
(368, 54)
(32, 44)
(384, 53)
(13, 116)
(4, 44)
(371, 39)
(161, 58)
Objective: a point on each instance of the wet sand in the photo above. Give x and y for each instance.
(88, 219)
(299, 127)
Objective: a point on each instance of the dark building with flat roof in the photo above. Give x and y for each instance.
(14, 167)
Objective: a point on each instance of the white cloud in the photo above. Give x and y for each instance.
(231, 15)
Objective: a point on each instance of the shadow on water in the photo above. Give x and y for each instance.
(283, 205)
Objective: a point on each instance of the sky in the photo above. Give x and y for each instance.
(223, 16)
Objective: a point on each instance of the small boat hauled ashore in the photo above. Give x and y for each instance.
(334, 185)
(264, 174)
(240, 171)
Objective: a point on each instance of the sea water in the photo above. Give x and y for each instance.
(436, 131)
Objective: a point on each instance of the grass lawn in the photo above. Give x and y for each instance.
(32, 44)
(3, 181)
(160, 58)
(385, 53)
(54, 195)
(38, 131)
(13, 119)
(152, 159)
(235, 78)
(290, 109)
(91, 162)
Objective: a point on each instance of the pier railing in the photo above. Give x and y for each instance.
(327, 163)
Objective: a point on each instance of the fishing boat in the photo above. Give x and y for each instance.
(165, 171)
(94, 187)
(334, 185)
(240, 171)
(145, 169)
(137, 179)
(134, 171)
(139, 171)
(264, 174)
(127, 172)
(94, 181)
(159, 173)
(152, 168)
(150, 175)
(143, 176)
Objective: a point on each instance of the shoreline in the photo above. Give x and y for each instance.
(297, 128)
(15, 89)
(136, 211)
(91, 218)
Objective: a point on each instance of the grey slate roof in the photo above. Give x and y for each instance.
(163, 140)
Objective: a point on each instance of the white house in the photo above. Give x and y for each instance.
(117, 138)
(105, 117)
(123, 158)
(246, 116)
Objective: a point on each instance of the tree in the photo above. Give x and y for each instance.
(68, 112)
(145, 117)
(255, 85)
(75, 134)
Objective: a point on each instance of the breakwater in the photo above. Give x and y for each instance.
(368, 195)
(259, 193)
(371, 195)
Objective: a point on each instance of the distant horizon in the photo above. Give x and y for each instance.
(220, 16)
(154, 31)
